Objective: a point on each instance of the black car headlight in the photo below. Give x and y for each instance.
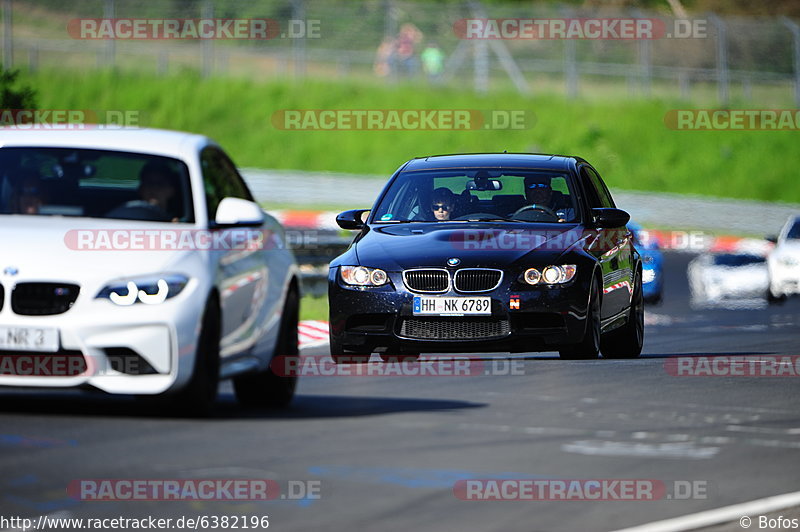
(148, 290)
(362, 276)
(556, 274)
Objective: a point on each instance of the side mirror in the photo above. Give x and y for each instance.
(771, 238)
(240, 212)
(607, 218)
(352, 219)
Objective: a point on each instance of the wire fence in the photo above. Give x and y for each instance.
(425, 43)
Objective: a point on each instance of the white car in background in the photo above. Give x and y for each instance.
(135, 261)
(784, 262)
(731, 277)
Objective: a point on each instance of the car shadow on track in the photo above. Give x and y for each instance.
(88, 404)
(712, 354)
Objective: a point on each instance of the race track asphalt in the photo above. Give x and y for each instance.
(385, 452)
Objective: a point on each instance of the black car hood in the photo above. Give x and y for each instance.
(481, 244)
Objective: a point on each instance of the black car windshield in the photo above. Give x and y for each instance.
(94, 183)
(479, 194)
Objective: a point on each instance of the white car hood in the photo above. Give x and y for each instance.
(38, 248)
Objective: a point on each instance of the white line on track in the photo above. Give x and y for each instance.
(720, 515)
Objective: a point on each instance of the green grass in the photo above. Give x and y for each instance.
(314, 308)
(626, 139)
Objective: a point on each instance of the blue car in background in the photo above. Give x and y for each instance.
(652, 263)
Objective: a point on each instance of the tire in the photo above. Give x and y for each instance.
(268, 388)
(589, 346)
(199, 394)
(772, 299)
(626, 341)
(655, 300)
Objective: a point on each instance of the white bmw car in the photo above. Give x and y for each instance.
(784, 262)
(714, 277)
(135, 261)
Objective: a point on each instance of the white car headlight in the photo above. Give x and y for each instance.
(550, 275)
(648, 276)
(148, 290)
(361, 276)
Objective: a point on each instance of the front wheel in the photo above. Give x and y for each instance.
(773, 299)
(589, 346)
(196, 398)
(626, 341)
(270, 388)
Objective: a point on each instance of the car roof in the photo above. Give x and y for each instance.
(140, 140)
(495, 160)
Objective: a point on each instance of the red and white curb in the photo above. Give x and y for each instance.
(312, 333)
(306, 219)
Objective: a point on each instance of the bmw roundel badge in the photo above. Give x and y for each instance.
(453, 261)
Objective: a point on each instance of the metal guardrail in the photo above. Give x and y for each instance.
(674, 211)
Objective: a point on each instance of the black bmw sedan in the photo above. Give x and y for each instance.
(488, 253)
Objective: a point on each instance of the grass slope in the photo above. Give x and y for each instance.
(626, 139)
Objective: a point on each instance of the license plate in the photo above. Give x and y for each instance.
(452, 306)
(29, 338)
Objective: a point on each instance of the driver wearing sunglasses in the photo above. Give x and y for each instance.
(442, 204)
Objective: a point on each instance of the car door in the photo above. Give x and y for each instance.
(612, 247)
(242, 273)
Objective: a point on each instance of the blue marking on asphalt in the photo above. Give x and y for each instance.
(16, 440)
(413, 478)
(42, 506)
(24, 480)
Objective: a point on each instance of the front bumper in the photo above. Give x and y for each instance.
(370, 319)
(140, 349)
(784, 280)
